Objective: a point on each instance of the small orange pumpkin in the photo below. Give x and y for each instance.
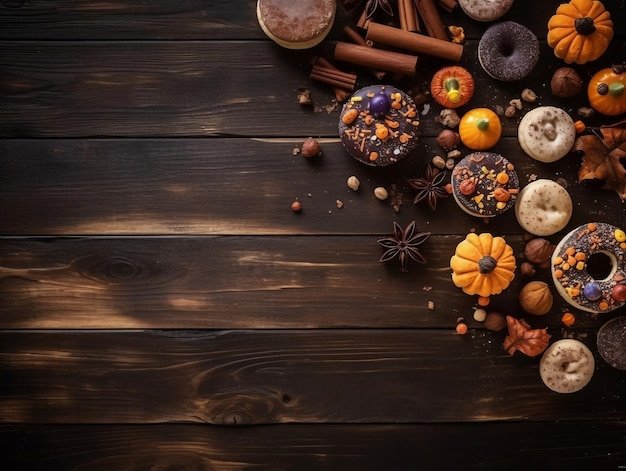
(452, 86)
(607, 91)
(580, 31)
(480, 129)
(482, 264)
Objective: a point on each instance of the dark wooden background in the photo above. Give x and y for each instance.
(161, 307)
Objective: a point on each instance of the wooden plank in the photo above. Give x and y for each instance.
(512, 446)
(196, 19)
(241, 186)
(258, 377)
(242, 282)
(175, 89)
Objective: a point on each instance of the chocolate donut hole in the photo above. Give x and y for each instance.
(601, 266)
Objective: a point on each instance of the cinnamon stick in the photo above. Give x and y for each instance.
(340, 92)
(448, 5)
(430, 19)
(356, 38)
(408, 16)
(333, 77)
(404, 64)
(414, 42)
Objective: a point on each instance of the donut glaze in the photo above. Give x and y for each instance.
(485, 184)
(508, 51)
(589, 267)
(567, 366)
(379, 125)
(296, 25)
(543, 207)
(546, 133)
(485, 10)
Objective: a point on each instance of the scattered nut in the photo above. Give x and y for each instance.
(450, 164)
(339, 204)
(304, 96)
(527, 269)
(565, 83)
(448, 117)
(353, 183)
(439, 162)
(528, 95)
(296, 206)
(448, 139)
(457, 33)
(310, 148)
(454, 154)
(536, 298)
(538, 250)
(381, 193)
(431, 305)
(499, 110)
(516, 102)
(510, 110)
(495, 321)
(586, 112)
(480, 315)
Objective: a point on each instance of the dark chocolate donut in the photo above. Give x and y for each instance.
(508, 51)
(378, 125)
(612, 342)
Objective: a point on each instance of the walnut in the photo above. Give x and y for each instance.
(495, 321)
(538, 250)
(566, 83)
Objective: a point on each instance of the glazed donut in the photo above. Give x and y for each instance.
(543, 207)
(296, 25)
(612, 342)
(508, 51)
(485, 10)
(484, 184)
(546, 133)
(378, 125)
(567, 366)
(589, 267)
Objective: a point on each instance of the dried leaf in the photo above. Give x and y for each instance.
(531, 342)
(602, 153)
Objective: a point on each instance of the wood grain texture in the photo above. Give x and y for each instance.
(243, 282)
(304, 376)
(242, 186)
(514, 446)
(174, 89)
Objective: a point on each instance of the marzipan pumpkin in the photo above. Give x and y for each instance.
(452, 86)
(580, 31)
(480, 129)
(606, 91)
(482, 264)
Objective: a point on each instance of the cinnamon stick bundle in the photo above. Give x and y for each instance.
(354, 37)
(333, 76)
(340, 92)
(431, 20)
(408, 16)
(404, 64)
(420, 43)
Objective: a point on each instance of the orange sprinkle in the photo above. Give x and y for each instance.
(579, 126)
(566, 266)
(580, 265)
(396, 105)
(568, 319)
(570, 251)
(502, 178)
(373, 156)
(558, 273)
(571, 261)
(403, 138)
(558, 260)
(392, 124)
(483, 300)
(461, 328)
(350, 116)
(382, 132)
(592, 226)
(580, 256)
(603, 306)
(369, 119)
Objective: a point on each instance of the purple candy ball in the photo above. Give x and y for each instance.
(592, 291)
(380, 104)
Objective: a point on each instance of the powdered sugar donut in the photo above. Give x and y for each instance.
(485, 10)
(567, 366)
(546, 133)
(543, 207)
(589, 267)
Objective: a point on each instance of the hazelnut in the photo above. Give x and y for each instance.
(353, 183)
(296, 206)
(566, 83)
(527, 269)
(536, 298)
(381, 193)
(495, 321)
(448, 139)
(538, 250)
(310, 148)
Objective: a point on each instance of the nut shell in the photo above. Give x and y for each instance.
(536, 298)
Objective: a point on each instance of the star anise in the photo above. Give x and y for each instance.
(404, 245)
(372, 5)
(430, 188)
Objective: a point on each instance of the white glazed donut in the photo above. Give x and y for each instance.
(543, 207)
(546, 133)
(485, 10)
(589, 267)
(300, 24)
(567, 366)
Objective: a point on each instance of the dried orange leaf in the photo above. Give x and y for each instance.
(601, 160)
(531, 342)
